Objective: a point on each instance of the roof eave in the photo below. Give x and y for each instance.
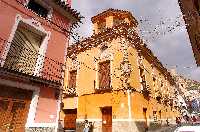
(72, 15)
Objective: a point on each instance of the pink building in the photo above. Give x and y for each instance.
(34, 36)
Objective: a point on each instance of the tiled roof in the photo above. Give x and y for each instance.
(68, 8)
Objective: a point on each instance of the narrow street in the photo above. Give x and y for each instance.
(99, 65)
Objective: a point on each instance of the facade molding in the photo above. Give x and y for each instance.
(33, 108)
(58, 111)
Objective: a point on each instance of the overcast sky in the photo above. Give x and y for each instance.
(161, 25)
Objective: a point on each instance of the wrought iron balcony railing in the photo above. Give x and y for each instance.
(22, 60)
(103, 89)
(70, 92)
(146, 91)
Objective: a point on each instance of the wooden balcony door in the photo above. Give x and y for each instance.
(14, 106)
(106, 119)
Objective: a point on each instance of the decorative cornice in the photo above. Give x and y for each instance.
(115, 12)
(123, 30)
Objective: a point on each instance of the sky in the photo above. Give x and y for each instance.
(161, 26)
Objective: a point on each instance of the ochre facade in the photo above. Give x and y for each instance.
(140, 93)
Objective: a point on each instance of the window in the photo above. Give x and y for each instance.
(102, 26)
(117, 21)
(160, 114)
(155, 115)
(161, 84)
(141, 71)
(143, 81)
(104, 75)
(72, 79)
(23, 52)
(154, 81)
(181, 85)
(38, 8)
(197, 5)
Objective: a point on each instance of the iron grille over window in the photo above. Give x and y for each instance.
(104, 75)
(37, 8)
(72, 79)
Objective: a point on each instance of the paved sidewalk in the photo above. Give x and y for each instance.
(170, 128)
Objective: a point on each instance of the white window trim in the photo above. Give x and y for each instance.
(37, 25)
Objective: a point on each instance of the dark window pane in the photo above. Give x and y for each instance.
(72, 79)
(104, 75)
(37, 8)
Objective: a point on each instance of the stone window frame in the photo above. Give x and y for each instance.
(109, 63)
(103, 55)
(43, 47)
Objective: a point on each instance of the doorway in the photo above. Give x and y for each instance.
(70, 119)
(106, 119)
(14, 106)
(145, 118)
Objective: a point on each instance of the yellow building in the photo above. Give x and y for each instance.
(114, 81)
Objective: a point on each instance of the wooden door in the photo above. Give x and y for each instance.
(14, 106)
(70, 119)
(106, 119)
(145, 118)
(19, 114)
(4, 114)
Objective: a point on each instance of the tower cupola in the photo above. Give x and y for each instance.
(112, 17)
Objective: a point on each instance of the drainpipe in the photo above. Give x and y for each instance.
(129, 104)
(60, 98)
(129, 109)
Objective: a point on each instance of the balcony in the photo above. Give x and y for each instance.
(166, 101)
(146, 91)
(103, 89)
(21, 60)
(171, 102)
(70, 92)
(158, 96)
